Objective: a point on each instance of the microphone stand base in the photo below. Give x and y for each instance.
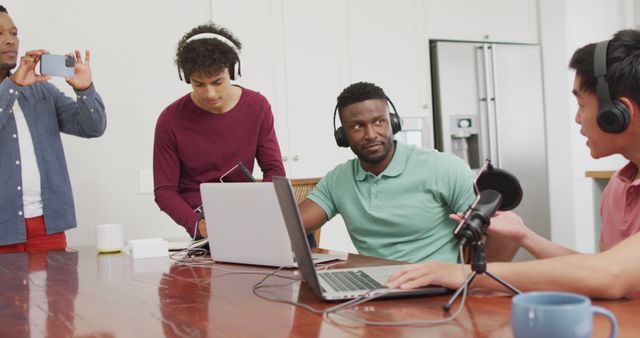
(478, 266)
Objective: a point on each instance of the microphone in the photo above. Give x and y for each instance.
(497, 189)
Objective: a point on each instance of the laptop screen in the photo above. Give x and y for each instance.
(296, 232)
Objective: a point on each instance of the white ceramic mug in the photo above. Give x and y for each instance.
(109, 238)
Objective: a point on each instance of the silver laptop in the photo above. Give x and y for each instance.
(335, 284)
(245, 225)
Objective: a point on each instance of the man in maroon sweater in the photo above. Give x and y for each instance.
(203, 135)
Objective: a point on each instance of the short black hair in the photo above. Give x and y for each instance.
(3, 9)
(208, 56)
(623, 65)
(358, 92)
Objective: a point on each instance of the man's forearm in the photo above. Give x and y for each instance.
(591, 275)
(500, 249)
(541, 247)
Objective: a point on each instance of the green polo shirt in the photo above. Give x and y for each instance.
(403, 212)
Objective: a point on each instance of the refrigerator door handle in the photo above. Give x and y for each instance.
(484, 150)
(495, 126)
(490, 103)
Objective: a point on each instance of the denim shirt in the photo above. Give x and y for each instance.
(48, 112)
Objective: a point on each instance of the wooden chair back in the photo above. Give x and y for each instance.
(301, 189)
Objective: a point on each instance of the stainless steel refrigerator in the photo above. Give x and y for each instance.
(488, 104)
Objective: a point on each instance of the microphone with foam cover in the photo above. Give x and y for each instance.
(497, 189)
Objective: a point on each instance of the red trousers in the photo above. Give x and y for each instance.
(37, 239)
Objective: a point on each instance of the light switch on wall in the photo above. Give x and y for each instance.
(145, 184)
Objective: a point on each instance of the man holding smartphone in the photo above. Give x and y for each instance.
(36, 205)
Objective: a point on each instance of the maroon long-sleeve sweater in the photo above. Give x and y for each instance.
(193, 146)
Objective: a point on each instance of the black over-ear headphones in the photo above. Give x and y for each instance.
(341, 135)
(613, 115)
(234, 68)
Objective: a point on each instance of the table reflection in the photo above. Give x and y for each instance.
(38, 293)
(184, 301)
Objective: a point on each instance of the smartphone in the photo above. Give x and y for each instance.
(57, 65)
(246, 173)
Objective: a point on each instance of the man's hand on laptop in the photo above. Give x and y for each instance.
(202, 228)
(430, 273)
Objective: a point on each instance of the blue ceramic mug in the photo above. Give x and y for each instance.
(555, 314)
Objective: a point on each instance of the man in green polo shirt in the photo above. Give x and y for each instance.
(395, 199)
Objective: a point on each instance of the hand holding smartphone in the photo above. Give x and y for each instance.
(75, 70)
(57, 65)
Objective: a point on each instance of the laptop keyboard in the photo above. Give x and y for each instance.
(350, 280)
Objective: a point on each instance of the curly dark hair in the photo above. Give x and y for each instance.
(3, 9)
(207, 56)
(358, 92)
(623, 65)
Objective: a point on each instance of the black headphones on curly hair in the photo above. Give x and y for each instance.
(234, 68)
(613, 116)
(341, 135)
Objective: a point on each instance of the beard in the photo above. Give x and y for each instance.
(5, 68)
(377, 157)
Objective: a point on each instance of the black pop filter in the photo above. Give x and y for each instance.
(503, 182)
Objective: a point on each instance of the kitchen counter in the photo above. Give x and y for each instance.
(599, 174)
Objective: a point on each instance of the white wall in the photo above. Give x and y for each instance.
(558, 119)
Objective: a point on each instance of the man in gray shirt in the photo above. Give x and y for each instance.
(36, 204)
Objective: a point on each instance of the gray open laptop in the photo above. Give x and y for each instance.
(245, 225)
(335, 284)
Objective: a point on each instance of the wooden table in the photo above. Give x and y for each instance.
(79, 293)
